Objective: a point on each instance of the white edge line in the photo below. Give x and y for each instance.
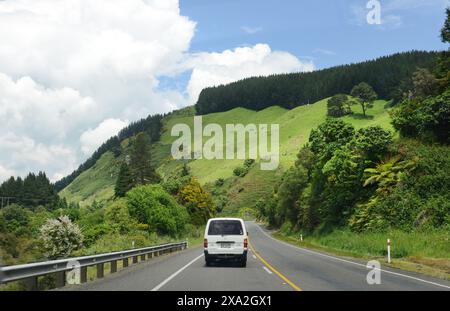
(267, 270)
(348, 261)
(158, 287)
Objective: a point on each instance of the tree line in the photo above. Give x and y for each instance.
(34, 190)
(387, 75)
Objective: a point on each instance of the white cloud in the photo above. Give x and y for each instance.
(71, 72)
(6, 173)
(93, 138)
(68, 65)
(211, 69)
(24, 154)
(107, 49)
(251, 30)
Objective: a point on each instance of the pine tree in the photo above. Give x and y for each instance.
(141, 167)
(445, 32)
(124, 181)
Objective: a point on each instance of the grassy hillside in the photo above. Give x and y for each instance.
(97, 183)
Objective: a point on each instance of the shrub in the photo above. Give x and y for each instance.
(287, 228)
(198, 202)
(118, 218)
(152, 205)
(248, 163)
(372, 142)
(60, 237)
(427, 119)
(95, 232)
(15, 219)
(219, 182)
(240, 171)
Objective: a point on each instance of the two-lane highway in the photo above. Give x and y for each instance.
(272, 265)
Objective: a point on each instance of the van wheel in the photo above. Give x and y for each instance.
(208, 262)
(243, 262)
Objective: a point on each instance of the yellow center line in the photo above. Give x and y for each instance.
(284, 278)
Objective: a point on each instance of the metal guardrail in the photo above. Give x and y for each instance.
(30, 272)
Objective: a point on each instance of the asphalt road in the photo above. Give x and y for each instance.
(272, 265)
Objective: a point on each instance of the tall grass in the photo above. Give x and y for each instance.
(431, 244)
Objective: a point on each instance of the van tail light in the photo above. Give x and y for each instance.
(245, 243)
(205, 243)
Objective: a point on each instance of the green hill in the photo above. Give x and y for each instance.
(97, 183)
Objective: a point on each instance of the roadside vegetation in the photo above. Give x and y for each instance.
(355, 169)
(350, 190)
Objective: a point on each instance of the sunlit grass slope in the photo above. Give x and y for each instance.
(97, 183)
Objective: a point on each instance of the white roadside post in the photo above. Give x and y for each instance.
(301, 237)
(389, 250)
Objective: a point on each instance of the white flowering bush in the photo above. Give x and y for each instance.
(60, 237)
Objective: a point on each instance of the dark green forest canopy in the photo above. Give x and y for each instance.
(384, 74)
(32, 191)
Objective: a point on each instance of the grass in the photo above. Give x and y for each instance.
(424, 252)
(244, 192)
(97, 183)
(295, 127)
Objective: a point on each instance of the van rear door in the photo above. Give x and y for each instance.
(226, 236)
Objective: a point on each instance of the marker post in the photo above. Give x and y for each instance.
(389, 250)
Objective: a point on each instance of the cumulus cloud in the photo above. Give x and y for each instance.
(107, 49)
(73, 72)
(211, 69)
(35, 124)
(68, 65)
(93, 138)
(24, 154)
(6, 173)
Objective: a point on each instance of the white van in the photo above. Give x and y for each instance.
(226, 238)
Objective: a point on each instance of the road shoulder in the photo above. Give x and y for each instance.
(402, 264)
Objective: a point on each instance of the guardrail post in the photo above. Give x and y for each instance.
(100, 270)
(125, 262)
(31, 283)
(113, 266)
(83, 274)
(150, 255)
(143, 257)
(60, 279)
(135, 259)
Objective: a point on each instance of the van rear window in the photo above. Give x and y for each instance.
(225, 227)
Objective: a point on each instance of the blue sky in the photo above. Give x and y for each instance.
(75, 72)
(327, 32)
